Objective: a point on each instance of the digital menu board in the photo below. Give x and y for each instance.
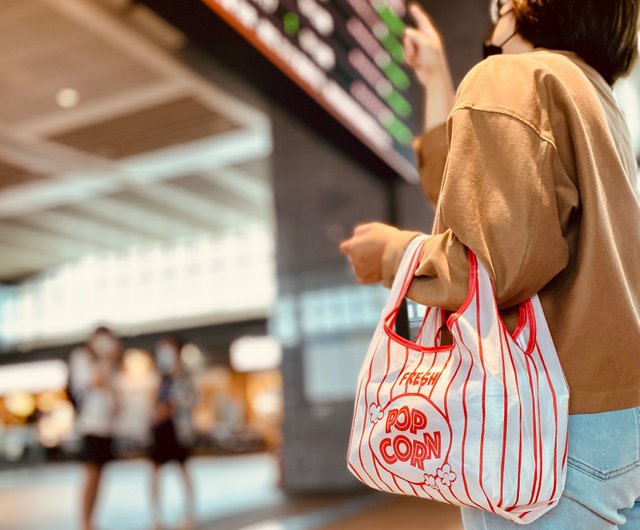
(348, 56)
(336, 64)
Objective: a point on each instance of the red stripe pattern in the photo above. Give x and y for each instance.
(481, 422)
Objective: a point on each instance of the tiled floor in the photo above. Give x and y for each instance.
(370, 512)
(233, 493)
(403, 513)
(47, 498)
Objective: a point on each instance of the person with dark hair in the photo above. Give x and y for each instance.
(91, 369)
(172, 430)
(531, 167)
(603, 34)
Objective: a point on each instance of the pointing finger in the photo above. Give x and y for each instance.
(423, 20)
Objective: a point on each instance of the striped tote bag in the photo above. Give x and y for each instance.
(480, 423)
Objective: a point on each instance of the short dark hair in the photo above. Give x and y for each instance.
(604, 33)
(103, 330)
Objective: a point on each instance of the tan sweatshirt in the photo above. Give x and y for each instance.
(535, 174)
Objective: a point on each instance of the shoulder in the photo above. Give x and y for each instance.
(79, 354)
(512, 79)
(526, 86)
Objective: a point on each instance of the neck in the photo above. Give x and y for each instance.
(518, 45)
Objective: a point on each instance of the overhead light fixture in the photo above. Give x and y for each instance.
(254, 354)
(67, 98)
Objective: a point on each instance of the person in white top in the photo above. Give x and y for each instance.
(91, 368)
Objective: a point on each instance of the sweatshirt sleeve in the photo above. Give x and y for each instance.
(431, 154)
(498, 198)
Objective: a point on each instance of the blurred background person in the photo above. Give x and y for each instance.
(136, 386)
(172, 429)
(92, 369)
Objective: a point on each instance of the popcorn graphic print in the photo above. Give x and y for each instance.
(375, 411)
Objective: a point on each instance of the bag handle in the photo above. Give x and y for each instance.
(409, 265)
(402, 281)
(406, 270)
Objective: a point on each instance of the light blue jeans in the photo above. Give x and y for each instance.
(603, 479)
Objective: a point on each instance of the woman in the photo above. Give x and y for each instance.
(91, 383)
(172, 428)
(540, 183)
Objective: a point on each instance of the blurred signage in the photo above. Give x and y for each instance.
(253, 354)
(348, 56)
(33, 377)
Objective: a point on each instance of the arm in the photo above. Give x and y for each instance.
(431, 153)
(82, 370)
(498, 199)
(424, 52)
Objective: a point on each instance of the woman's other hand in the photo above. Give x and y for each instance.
(365, 250)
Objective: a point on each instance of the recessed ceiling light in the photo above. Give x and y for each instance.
(67, 98)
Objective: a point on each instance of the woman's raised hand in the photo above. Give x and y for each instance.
(424, 52)
(424, 47)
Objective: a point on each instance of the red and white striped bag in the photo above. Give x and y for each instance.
(479, 423)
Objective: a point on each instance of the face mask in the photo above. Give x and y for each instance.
(166, 359)
(489, 49)
(103, 345)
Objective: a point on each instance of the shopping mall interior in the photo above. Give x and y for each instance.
(188, 169)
